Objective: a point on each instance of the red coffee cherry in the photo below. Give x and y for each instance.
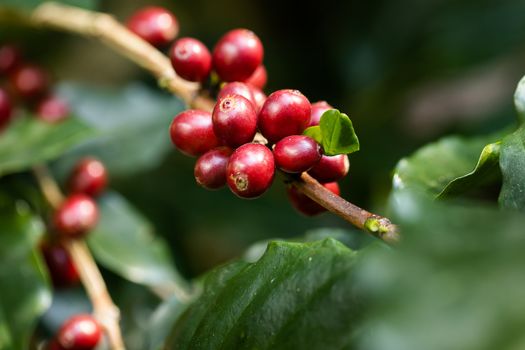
(30, 81)
(237, 88)
(250, 170)
(307, 206)
(10, 58)
(296, 153)
(156, 25)
(81, 332)
(61, 267)
(5, 109)
(285, 113)
(330, 169)
(318, 109)
(237, 55)
(191, 59)
(258, 78)
(192, 132)
(52, 109)
(76, 216)
(258, 96)
(234, 120)
(210, 168)
(89, 176)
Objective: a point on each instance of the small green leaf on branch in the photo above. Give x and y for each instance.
(335, 133)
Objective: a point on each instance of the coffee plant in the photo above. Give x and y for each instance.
(81, 267)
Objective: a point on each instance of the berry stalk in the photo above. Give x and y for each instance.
(105, 310)
(378, 226)
(112, 33)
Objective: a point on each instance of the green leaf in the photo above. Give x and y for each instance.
(450, 161)
(25, 293)
(297, 296)
(512, 164)
(162, 320)
(335, 133)
(486, 171)
(315, 133)
(124, 242)
(133, 123)
(454, 282)
(28, 141)
(31, 4)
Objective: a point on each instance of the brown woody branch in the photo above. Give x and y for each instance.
(105, 311)
(108, 30)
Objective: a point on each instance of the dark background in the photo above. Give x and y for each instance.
(405, 71)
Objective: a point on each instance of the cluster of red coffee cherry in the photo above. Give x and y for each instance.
(25, 83)
(248, 135)
(75, 217)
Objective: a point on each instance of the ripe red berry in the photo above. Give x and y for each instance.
(30, 81)
(156, 25)
(304, 204)
(234, 120)
(10, 58)
(285, 113)
(192, 132)
(318, 108)
(52, 109)
(258, 78)
(296, 153)
(61, 267)
(80, 332)
(89, 176)
(258, 96)
(237, 55)
(76, 216)
(250, 170)
(5, 109)
(210, 168)
(330, 169)
(237, 88)
(191, 59)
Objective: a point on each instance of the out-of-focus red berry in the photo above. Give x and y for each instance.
(156, 25)
(52, 109)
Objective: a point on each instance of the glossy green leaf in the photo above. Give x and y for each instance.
(512, 164)
(31, 4)
(28, 141)
(335, 133)
(124, 242)
(296, 296)
(450, 161)
(24, 293)
(486, 171)
(315, 133)
(454, 282)
(133, 123)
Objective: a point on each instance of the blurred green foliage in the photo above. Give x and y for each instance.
(454, 282)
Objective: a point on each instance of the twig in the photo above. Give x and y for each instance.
(376, 225)
(105, 311)
(108, 30)
(111, 32)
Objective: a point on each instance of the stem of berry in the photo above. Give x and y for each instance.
(376, 225)
(109, 31)
(105, 311)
